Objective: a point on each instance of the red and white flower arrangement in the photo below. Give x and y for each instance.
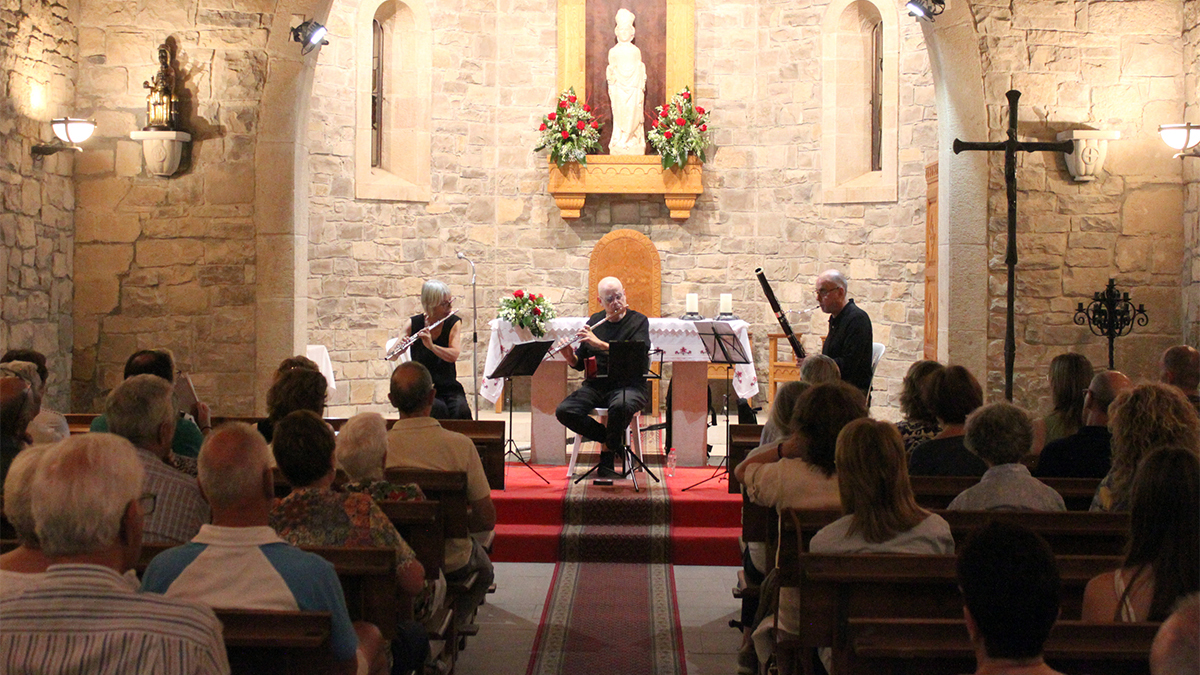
(527, 310)
(679, 130)
(571, 132)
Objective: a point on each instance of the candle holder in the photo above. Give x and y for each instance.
(692, 316)
(1111, 315)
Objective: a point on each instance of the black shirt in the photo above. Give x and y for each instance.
(945, 457)
(1085, 454)
(444, 373)
(849, 343)
(632, 326)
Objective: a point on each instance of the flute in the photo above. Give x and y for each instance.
(403, 345)
(797, 348)
(565, 342)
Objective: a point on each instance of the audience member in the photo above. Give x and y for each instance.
(296, 388)
(1176, 647)
(1141, 419)
(920, 423)
(1181, 368)
(141, 410)
(84, 616)
(362, 452)
(1000, 434)
(819, 369)
(418, 441)
(48, 426)
(1088, 452)
(23, 566)
(1070, 374)
(779, 421)
(239, 562)
(189, 434)
(16, 410)
(951, 393)
(1162, 555)
(1010, 587)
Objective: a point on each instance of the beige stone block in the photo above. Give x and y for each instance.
(233, 185)
(1133, 253)
(1151, 57)
(91, 41)
(1084, 282)
(1125, 18)
(94, 161)
(1156, 209)
(1089, 257)
(97, 296)
(100, 195)
(129, 158)
(164, 252)
(187, 299)
(102, 81)
(107, 227)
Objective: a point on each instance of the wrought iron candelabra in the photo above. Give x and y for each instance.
(1111, 315)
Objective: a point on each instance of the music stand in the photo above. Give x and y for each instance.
(628, 361)
(723, 346)
(522, 361)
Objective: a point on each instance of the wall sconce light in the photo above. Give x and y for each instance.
(1183, 137)
(925, 9)
(310, 35)
(68, 131)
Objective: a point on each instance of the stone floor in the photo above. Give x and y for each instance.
(508, 622)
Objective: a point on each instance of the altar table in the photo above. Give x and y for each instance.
(681, 346)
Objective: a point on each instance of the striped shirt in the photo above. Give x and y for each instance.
(85, 619)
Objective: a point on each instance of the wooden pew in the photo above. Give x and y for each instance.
(449, 489)
(837, 588)
(276, 643)
(744, 438)
(936, 492)
(941, 647)
(488, 437)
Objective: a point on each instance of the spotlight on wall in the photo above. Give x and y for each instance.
(1183, 137)
(68, 131)
(925, 9)
(310, 35)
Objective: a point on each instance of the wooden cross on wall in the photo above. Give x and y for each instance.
(1010, 148)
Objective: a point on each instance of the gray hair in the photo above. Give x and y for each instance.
(1000, 433)
(229, 477)
(819, 369)
(138, 406)
(433, 293)
(80, 492)
(362, 445)
(836, 277)
(17, 505)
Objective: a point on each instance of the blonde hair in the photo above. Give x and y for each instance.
(872, 471)
(784, 405)
(1141, 419)
(820, 369)
(433, 293)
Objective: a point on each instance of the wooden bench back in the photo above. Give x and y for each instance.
(941, 647)
(488, 437)
(420, 523)
(743, 439)
(449, 488)
(276, 643)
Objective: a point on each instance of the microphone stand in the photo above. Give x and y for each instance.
(474, 334)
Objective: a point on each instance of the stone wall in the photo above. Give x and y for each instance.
(169, 262)
(758, 70)
(1106, 65)
(1191, 175)
(38, 56)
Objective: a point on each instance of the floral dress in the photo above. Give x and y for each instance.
(915, 432)
(322, 517)
(384, 491)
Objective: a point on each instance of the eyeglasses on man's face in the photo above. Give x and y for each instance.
(822, 292)
(613, 297)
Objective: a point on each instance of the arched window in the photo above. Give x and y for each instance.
(393, 62)
(860, 99)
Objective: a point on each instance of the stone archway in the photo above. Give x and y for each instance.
(953, 45)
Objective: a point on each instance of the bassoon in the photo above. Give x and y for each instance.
(797, 348)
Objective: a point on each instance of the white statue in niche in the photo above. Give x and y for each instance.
(626, 77)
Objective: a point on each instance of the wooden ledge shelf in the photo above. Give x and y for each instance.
(626, 175)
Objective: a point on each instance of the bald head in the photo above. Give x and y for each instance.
(412, 390)
(611, 294)
(831, 291)
(1103, 390)
(1181, 367)
(232, 464)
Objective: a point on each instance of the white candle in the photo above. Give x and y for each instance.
(726, 303)
(693, 303)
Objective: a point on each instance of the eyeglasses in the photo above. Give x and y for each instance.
(446, 303)
(147, 502)
(822, 292)
(613, 297)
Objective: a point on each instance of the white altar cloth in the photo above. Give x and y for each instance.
(677, 338)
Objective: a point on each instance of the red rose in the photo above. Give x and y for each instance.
(571, 98)
(687, 95)
(587, 108)
(699, 110)
(538, 296)
(543, 127)
(518, 293)
(537, 311)
(552, 117)
(654, 124)
(662, 113)
(595, 124)
(580, 125)
(680, 121)
(565, 134)
(562, 104)
(667, 134)
(703, 127)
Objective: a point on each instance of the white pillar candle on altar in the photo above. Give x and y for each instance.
(693, 303)
(726, 303)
